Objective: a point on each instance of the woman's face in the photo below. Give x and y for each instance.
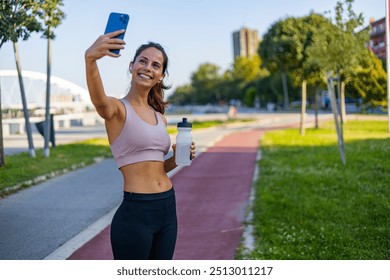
(147, 68)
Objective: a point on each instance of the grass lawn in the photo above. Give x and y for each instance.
(310, 206)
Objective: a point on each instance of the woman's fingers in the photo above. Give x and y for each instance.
(115, 33)
(102, 46)
(193, 150)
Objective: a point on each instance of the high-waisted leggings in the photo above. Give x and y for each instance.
(145, 227)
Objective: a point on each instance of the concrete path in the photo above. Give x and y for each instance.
(36, 221)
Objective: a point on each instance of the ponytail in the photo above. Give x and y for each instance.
(156, 97)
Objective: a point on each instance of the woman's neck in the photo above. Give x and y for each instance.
(138, 95)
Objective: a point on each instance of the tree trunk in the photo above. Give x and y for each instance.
(335, 110)
(342, 103)
(303, 108)
(316, 107)
(2, 160)
(285, 90)
(24, 102)
(46, 130)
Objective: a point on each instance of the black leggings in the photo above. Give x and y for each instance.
(145, 227)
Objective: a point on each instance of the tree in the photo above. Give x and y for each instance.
(51, 16)
(245, 71)
(278, 51)
(204, 83)
(284, 47)
(249, 97)
(307, 73)
(337, 51)
(18, 20)
(182, 95)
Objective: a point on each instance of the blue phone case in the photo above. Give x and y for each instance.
(117, 21)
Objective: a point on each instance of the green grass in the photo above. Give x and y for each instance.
(310, 206)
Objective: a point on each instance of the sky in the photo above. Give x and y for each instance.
(193, 32)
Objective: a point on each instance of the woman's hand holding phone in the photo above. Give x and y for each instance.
(117, 21)
(112, 41)
(104, 45)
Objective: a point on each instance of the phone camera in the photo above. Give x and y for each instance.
(123, 18)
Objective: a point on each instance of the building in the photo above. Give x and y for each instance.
(378, 38)
(245, 42)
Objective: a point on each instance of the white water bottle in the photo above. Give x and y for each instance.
(183, 143)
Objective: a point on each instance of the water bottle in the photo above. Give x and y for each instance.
(183, 143)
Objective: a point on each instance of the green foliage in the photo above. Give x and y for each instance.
(247, 69)
(310, 206)
(369, 81)
(182, 95)
(280, 50)
(18, 20)
(208, 86)
(306, 28)
(249, 97)
(50, 15)
(337, 48)
(204, 83)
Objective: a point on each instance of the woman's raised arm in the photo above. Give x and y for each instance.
(105, 106)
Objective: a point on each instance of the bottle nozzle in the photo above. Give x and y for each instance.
(184, 123)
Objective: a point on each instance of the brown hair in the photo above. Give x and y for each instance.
(156, 93)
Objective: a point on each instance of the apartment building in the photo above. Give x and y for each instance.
(378, 38)
(245, 42)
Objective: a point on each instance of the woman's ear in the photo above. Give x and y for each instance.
(131, 67)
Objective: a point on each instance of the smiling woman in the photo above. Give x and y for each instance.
(145, 224)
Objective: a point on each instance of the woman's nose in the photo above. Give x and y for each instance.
(147, 66)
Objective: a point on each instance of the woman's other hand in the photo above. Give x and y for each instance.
(193, 151)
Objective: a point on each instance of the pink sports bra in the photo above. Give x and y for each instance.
(140, 141)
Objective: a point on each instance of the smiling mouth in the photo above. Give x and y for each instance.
(143, 76)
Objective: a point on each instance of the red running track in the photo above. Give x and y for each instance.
(211, 195)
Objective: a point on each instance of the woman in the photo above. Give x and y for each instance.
(145, 224)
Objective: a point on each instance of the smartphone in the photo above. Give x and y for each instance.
(117, 21)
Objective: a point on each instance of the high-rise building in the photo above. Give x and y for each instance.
(245, 42)
(378, 38)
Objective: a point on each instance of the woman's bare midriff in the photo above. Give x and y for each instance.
(146, 177)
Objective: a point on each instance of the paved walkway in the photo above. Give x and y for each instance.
(212, 195)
